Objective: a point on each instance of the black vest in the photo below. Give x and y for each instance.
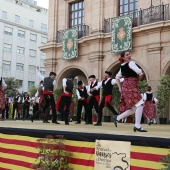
(95, 92)
(149, 96)
(127, 71)
(69, 87)
(107, 88)
(27, 99)
(16, 99)
(48, 84)
(83, 93)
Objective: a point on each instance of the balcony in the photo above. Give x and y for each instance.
(143, 17)
(83, 30)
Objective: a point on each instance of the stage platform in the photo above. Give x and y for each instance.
(146, 148)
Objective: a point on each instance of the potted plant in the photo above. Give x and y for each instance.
(107, 114)
(163, 95)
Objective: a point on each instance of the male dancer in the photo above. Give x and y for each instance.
(82, 95)
(94, 98)
(107, 85)
(16, 102)
(49, 86)
(64, 101)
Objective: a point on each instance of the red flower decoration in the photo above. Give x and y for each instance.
(121, 60)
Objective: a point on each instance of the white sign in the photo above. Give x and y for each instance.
(112, 155)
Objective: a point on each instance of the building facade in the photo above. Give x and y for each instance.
(23, 28)
(150, 37)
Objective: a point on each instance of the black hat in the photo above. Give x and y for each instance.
(80, 83)
(92, 76)
(109, 73)
(70, 76)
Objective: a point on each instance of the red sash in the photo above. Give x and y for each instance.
(47, 92)
(57, 105)
(108, 99)
(97, 97)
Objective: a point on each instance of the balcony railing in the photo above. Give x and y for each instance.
(83, 30)
(145, 16)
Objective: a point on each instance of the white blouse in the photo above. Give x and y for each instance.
(133, 66)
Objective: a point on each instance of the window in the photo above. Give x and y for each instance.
(31, 23)
(21, 34)
(32, 69)
(17, 18)
(43, 40)
(20, 50)
(20, 82)
(8, 31)
(76, 13)
(43, 27)
(20, 67)
(33, 37)
(4, 15)
(8, 48)
(30, 84)
(32, 53)
(6, 65)
(128, 7)
(43, 56)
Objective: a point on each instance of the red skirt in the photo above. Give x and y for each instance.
(149, 110)
(130, 94)
(2, 100)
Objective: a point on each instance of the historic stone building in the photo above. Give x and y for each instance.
(150, 32)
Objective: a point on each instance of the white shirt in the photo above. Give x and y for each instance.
(78, 93)
(64, 81)
(42, 78)
(19, 98)
(133, 66)
(153, 98)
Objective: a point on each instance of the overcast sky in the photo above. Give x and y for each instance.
(42, 3)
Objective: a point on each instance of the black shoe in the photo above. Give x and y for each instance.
(149, 123)
(115, 120)
(55, 122)
(32, 119)
(66, 123)
(88, 123)
(46, 121)
(98, 124)
(78, 123)
(139, 129)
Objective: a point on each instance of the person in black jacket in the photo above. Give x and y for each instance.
(82, 95)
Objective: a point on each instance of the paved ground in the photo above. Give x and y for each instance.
(157, 130)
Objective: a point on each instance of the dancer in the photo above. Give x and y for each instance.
(6, 109)
(49, 86)
(3, 86)
(150, 108)
(107, 85)
(26, 107)
(130, 92)
(82, 95)
(94, 98)
(64, 101)
(16, 103)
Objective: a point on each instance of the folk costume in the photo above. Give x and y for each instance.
(93, 100)
(132, 101)
(149, 110)
(6, 109)
(26, 107)
(3, 86)
(82, 96)
(49, 86)
(16, 103)
(64, 101)
(107, 86)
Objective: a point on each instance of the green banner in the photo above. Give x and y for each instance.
(70, 45)
(121, 34)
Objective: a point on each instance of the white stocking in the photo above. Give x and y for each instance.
(138, 116)
(126, 113)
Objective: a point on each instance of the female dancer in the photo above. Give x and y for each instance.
(132, 101)
(149, 108)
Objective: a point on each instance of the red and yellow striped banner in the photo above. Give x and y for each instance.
(19, 153)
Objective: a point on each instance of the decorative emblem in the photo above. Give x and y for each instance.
(121, 34)
(69, 44)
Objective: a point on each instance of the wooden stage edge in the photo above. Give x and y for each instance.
(156, 131)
